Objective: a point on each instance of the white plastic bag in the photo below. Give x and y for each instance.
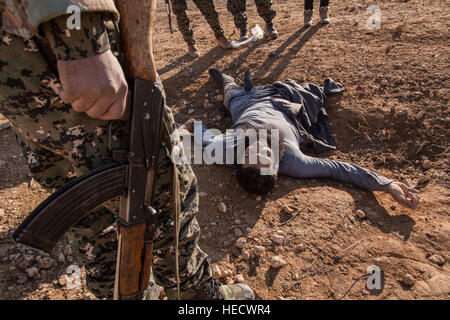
(257, 33)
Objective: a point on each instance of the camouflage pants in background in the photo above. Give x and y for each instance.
(61, 144)
(208, 10)
(238, 9)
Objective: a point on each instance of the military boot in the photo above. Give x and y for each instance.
(223, 42)
(193, 51)
(271, 31)
(212, 290)
(244, 34)
(308, 18)
(324, 15)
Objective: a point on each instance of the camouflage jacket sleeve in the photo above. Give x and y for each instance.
(91, 39)
(23, 17)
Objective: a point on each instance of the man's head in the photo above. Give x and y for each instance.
(259, 172)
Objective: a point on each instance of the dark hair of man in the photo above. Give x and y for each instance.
(250, 178)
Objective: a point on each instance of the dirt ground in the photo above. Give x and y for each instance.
(394, 119)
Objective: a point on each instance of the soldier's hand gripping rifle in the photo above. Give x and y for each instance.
(132, 178)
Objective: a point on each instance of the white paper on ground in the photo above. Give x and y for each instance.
(257, 33)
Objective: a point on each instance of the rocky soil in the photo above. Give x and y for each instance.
(309, 239)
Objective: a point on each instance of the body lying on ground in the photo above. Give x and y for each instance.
(299, 113)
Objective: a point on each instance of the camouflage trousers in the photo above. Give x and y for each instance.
(238, 9)
(208, 10)
(61, 144)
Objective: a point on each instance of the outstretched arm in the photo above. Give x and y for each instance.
(303, 166)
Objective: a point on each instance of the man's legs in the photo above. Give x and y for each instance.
(179, 8)
(238, 9)
(309, 10)
(208, 10)
(266, 12)
(230, 87)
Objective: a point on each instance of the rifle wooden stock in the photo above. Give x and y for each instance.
(137, 18)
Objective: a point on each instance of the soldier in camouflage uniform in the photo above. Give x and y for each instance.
(61, 143)
(238, 9)
(208, 10)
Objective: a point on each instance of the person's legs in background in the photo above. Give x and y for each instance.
(238, 9)
(324, 10)
(208, 10)
(309, 10)
(179, 8)
(266, 12)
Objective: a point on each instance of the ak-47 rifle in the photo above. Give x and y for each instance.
(169, 14)
(132, 177)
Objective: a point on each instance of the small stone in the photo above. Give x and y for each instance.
(22, 279)
(32, 272)
(12, 269)
(245, 255)
(191, 111)
(422, 179)
(427, 164)
(300, 248)
(217, 273)
(219, 98)
(68, 251)
(69, 259)
(360, 214)
(384, 83)
(62, 281)
(277, 262)
(381, 261)
(278, 239)
(61, 258)
(241, 243)
(237, 221)
(238, 233)
(258, 198)
(45, 263)
(408, 280)
(259, 251)
(206, 103)
(27, 262)
(267, 242)
(4, 251)
(222, 207)
(239, 278)
(437, 258)
(202, 194)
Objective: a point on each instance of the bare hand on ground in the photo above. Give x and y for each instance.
(406, 196)
(95, 85)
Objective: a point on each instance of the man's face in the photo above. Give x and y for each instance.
(258, 156)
